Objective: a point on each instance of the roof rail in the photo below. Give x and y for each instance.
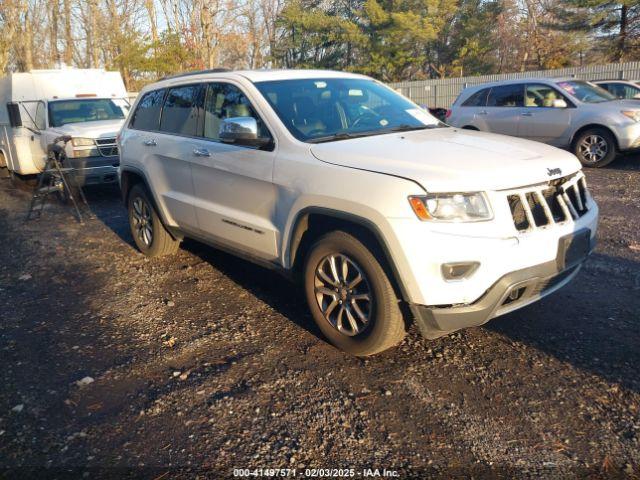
(196, 72)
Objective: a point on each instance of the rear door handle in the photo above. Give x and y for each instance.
(527, 114)
(482, 112)
(201, 152)
(150, 143)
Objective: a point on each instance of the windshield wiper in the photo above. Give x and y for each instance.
(340, 136)
(408, 128)
(370, 133)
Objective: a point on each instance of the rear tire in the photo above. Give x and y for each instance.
(338, 300)
(595, 147)
(149, 233)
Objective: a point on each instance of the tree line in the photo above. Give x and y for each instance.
(391, 40)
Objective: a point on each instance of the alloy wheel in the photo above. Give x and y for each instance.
(593, 148)
(343, 294)
(142, 221)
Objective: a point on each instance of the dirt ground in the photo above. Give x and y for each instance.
(118, 366)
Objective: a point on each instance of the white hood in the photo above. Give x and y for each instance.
(97, 129)
(450, 160)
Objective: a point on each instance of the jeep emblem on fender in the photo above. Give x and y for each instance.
(553, 171)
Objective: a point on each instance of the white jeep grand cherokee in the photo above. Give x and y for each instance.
(373, 204)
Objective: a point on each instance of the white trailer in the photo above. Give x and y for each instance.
(90, 105)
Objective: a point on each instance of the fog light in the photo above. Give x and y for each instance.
(459, 270)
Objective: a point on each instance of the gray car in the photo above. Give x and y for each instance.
(563, 112)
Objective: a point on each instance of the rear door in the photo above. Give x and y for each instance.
(503, 108)
(541, 119)
(471, 112)
(235, 194)
(158, 141)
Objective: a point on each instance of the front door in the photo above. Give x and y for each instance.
(234, 190)
(543, 118)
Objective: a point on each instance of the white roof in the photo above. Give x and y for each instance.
(62, 83)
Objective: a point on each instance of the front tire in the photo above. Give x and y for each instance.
(149, 233)
(595, 147)
(350, 296)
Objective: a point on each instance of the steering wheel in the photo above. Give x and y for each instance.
(367, 114)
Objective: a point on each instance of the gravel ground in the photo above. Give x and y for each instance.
(119, 366)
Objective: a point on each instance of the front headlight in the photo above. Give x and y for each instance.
(83, 142)
(451, 207)
(632, 114)
(84, 153)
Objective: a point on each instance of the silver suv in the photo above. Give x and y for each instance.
(338, 181)
(564, 112)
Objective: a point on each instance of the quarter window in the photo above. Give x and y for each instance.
(506, 96)
(224, 101)
(478, 99)
(180, 110)
(147, 114)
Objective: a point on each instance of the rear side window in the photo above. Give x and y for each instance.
(147, 114)
(180, 110)
(478, 99)
(506, 96)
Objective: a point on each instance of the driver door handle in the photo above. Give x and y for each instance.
(150, 143)
(527, 114)
(201, 152)
(482, 112)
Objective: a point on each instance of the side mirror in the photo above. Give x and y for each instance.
(241, 131)
(559, 103)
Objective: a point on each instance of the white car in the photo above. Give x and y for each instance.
(342, 183)
(622, 89)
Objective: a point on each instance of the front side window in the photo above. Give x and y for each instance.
(223, 101)
(328, 109)
(585, 91)
(180, 110)
(63, 112)
(506, 96)
(539, 95)
(147, 113)
(478, 99)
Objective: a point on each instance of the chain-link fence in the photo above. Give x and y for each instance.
(443, 92)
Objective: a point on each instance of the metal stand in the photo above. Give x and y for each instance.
(55, 179)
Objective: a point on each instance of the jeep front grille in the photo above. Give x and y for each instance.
(545, 205)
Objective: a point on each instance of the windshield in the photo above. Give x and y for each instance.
(326, 109)
(62, 112)
(586, 92)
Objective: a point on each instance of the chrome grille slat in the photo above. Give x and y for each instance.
(542, 206)
(545, 207)
(567, 201)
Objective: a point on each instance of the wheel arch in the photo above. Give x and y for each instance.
(4, 158)
(589, 126)
(131, 176)
(312, 222)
